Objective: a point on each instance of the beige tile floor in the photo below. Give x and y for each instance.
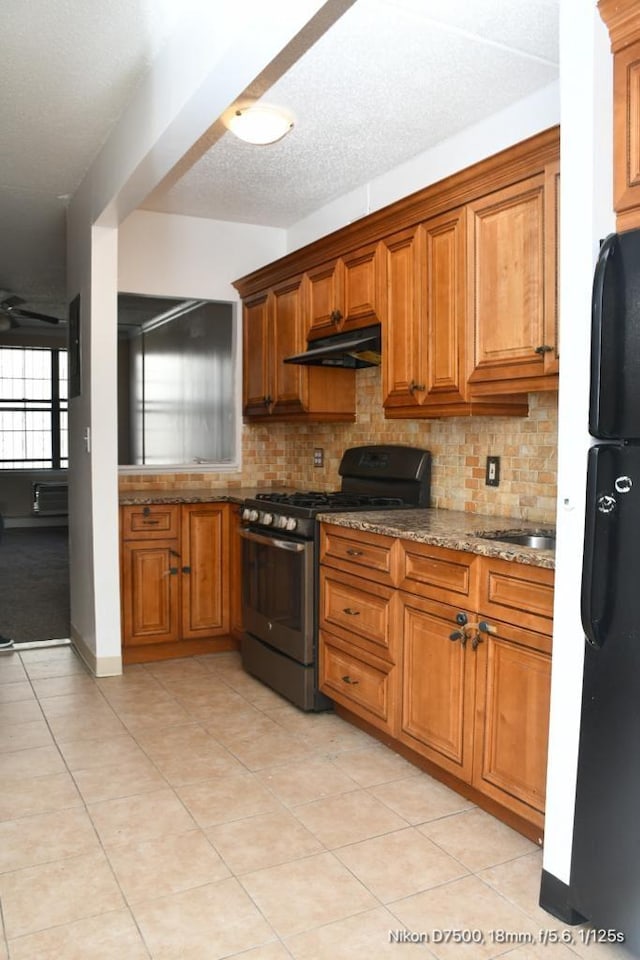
(185, 812)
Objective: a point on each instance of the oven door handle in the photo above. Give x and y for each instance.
(273, 542)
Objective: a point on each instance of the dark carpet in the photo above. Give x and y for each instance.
(34, 584)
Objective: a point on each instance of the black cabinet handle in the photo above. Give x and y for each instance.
(335, 316)
(413, 386)
(351, 612)
(186, 569)
(348, 679)
(354, 553)
(543, 348)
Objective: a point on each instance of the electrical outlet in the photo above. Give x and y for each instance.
(492, 475)
(318, 457)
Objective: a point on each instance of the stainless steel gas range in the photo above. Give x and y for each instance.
(280, 562)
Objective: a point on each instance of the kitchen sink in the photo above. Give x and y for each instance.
(538, 539)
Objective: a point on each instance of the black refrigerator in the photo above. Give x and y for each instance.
(605, 865)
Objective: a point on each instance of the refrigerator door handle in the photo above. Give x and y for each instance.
(597, 317)
(601, 511)
(591, 616)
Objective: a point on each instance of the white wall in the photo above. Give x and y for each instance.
(171, 256)
(522, 120)
(585, 217)
(205, 66)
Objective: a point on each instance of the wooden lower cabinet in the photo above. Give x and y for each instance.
(513, 677)
(431, 666)
(438, 686)
(175, 591)
(363, 683)
(150, 595)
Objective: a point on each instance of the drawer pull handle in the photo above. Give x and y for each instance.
(354, 553)
(347, 679)
(351, 612)
(150, 523)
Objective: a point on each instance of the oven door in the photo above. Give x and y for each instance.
(278, 592)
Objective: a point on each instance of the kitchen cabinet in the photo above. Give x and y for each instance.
(175, 580)
(425, 348)
(343, 293)
(621, 18)
(273, 328)
(462, 277)
(359, 625)
(512, 244)
(462, 680)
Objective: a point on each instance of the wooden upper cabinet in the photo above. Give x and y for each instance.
(343, 293)
(288, 380)
(425, 349)
(403, 348)
(272, 331)
(274, 328)
(256, 355)
(508, 262)
(623, 23)
(626, 119)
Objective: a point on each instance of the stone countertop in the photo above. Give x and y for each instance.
(134, 498)
(453, 529)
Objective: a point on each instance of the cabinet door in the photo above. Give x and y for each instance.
(288, 379)
(438, 684)
(404, 348)
(507, 264)
(360, 299)
(445, 308)
(257, 348)
(552, 268)
(514, 683)
(626, 118)
(205, 570)
(150, 594)
(326, 286)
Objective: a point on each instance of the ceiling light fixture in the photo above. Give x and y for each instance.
(260, 123)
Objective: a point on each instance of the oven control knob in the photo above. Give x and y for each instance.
(245, 513)
(266, 519)
(281, 522)
(292, 523)
(253, 515)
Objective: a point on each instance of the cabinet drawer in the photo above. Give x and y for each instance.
(361, 683)
(364, 554)
(157, 521)
(517, 593)
(439, 574)
(359, 610)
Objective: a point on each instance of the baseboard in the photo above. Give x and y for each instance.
(99, 666)
(555, 897)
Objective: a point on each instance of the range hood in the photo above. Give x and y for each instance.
(358, 348)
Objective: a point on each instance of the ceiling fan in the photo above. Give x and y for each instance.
(11, 313)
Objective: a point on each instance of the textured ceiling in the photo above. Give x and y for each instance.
(390, 79)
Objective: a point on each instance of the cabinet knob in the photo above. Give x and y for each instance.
(354, 553)
(413, 386)
(186, 569)
(268, 401)
(351, 612)
(543, 348)
(347, 679)
(335, 316)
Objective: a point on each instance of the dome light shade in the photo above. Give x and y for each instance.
(260, 124)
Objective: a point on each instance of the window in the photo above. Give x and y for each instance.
(33, 408)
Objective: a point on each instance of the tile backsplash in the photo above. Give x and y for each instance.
(527, 447)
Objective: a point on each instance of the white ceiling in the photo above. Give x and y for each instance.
(389, 80)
